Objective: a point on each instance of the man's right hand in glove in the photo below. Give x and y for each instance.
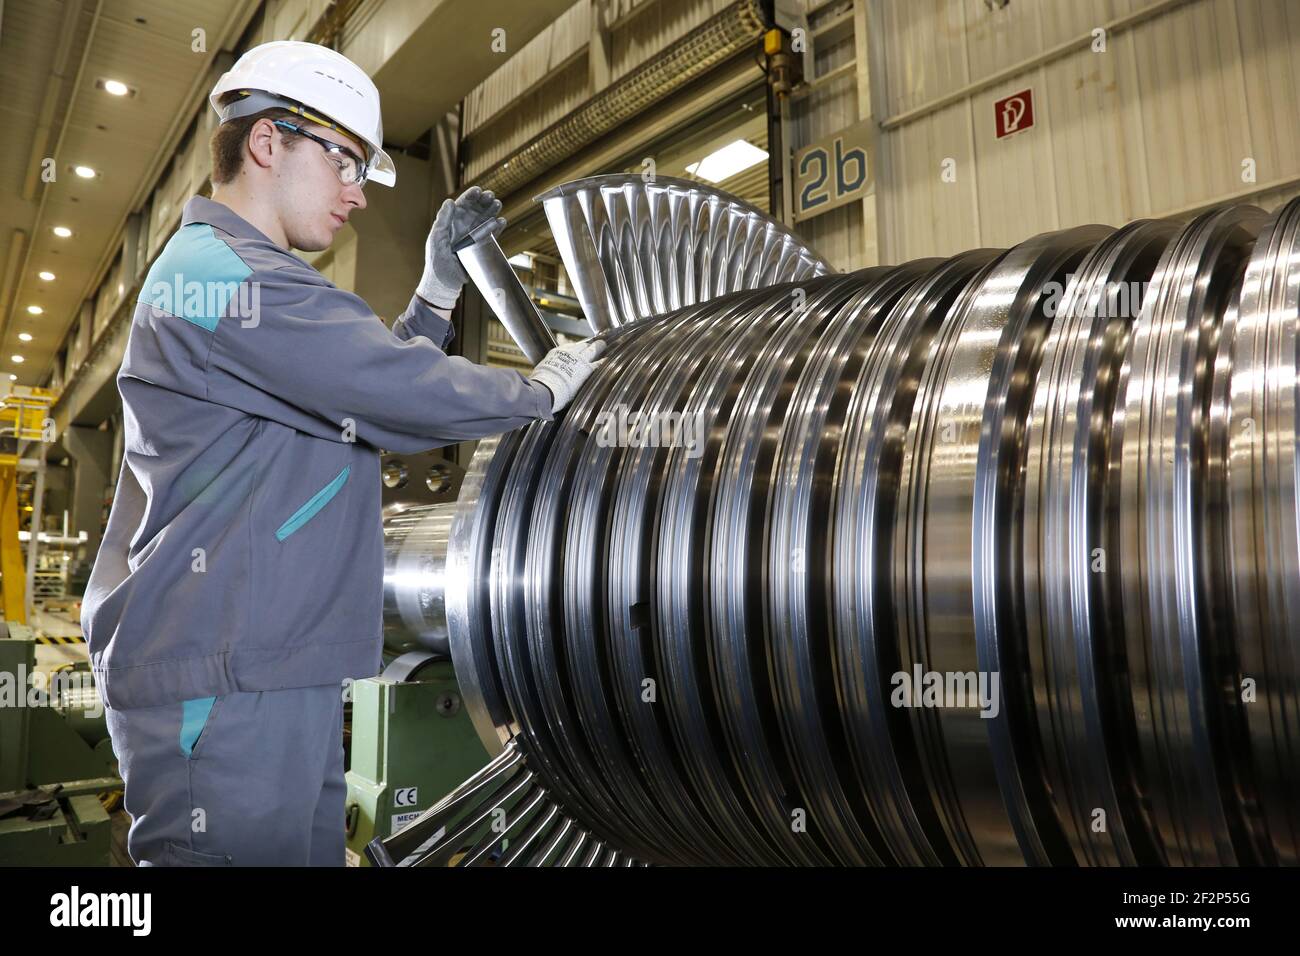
(563, 369)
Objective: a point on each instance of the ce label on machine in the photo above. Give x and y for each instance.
(834, 171)
(405, 796)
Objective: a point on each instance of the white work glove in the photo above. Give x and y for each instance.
(444, 276)
(564, 368)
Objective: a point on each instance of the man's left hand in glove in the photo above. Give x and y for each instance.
(444, 276)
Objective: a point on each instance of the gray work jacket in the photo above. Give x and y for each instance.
(244, 549)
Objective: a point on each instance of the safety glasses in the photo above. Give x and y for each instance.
(350, 167)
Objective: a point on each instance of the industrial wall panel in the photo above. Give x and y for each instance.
(184, 185)
(834, 100)
(930, 206)
(938, 46)
(550, 76)
(1269, 34)
(528, 69)
(164, 214)
(107, 299)
(85, 330)
(1015, 179)
(536, 109)
(291, 19)
(926, 51)
(997, 38)
(824, 111)
(70, 362)
(836, 234)
(1179, 112)
(653, 28)
(1096, 145)
(1189, 82)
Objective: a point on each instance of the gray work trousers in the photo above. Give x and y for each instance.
(243, 779)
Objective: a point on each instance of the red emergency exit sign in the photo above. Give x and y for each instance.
(1014, 113)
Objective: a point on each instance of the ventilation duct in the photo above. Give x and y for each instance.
(683, 61)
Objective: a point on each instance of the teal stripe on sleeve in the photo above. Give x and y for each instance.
(313, 504)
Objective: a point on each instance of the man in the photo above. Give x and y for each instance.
(239, 583)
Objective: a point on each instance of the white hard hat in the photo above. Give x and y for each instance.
(319, 80)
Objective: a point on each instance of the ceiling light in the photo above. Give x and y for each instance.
(13, 377)
(727, 161)
(62, 232)
(116, 87)
(523, 260)
(16, 358)
(25, 336)
(47, 276)
(35, 309)
(85, 172)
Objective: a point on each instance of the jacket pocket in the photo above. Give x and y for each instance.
(312, 505)
(176, 855)
(196, 718)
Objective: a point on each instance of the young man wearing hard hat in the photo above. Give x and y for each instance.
(240, 578)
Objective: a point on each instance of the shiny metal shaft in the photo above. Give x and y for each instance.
(490, 270)
(415, 556)
(986, 560)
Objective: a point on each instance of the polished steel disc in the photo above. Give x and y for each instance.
(984, 560)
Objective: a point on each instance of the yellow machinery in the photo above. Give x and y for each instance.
(24, 416)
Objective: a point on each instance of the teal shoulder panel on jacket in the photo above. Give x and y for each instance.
(195, 277)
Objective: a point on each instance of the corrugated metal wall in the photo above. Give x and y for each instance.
(651, 27)
(534, 88)
(836, 97)
(1160, 123)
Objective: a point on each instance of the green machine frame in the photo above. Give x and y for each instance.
(412, 742)
(55, 761)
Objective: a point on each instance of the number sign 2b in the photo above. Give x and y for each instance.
(834, 171)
